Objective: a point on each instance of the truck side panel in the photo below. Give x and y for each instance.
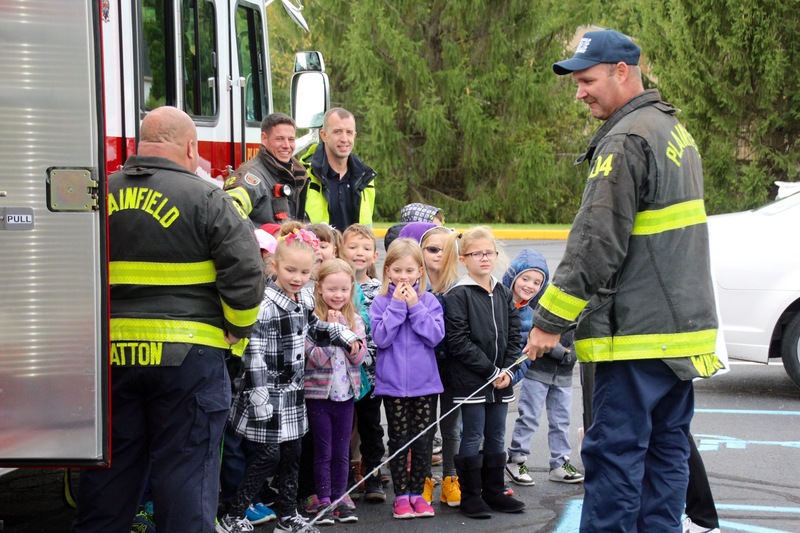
(53, 284)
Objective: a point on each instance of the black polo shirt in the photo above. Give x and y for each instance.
(340, 202)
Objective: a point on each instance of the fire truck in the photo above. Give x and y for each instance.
(78, 77)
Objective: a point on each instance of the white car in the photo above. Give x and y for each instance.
(756, 263)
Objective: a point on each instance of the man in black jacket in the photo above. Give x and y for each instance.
(271, 187)
(636, 278)
(186, 283)
(341, 188)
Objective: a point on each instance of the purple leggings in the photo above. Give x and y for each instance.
(331, 426)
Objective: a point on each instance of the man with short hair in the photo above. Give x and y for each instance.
(186, 283)
(341, 189)
(271, 187)
(636, 277)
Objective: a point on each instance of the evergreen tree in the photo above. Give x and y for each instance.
(731, 66)
(457, 104)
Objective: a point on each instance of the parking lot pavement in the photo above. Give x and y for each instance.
(31, 500)
(745, 425)
(31, 503)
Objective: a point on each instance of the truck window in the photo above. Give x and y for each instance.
(252, 66)
(199, 43)
(155, 65)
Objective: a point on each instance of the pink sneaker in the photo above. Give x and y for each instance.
(422, 508)
(402, 508)
(312, 504)
(348, 501)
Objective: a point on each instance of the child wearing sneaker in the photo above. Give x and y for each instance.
(270, 410)
(431, 240)
(332, 381)
(545, 381)
(407, 324)
(360, 250)
(482, 344)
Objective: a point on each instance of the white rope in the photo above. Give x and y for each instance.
(406, 445)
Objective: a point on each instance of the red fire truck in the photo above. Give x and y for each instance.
(79, 75)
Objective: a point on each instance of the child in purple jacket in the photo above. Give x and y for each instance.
(407, 325)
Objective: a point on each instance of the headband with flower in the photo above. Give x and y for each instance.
(302, 235)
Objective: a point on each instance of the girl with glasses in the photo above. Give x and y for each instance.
(482, 331)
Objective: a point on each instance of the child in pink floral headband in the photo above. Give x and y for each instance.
(270, 410)
(303, 236)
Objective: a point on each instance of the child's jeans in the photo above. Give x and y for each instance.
(483, 422)
(332, 425)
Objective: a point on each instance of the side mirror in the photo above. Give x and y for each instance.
(309, 61)
(294, 13)
(310, 90)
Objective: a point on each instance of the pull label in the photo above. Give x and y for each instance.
(16, 218)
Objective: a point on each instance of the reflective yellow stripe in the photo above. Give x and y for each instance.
(183, 331)
(651, 346)
(561, 304)
(144, 273)
(239, 318)
(367, 205)
(669, 218)
(707, 364)
(239, 194)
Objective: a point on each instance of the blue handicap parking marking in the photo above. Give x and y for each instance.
(571, 519)
(748, 412)
(713, 443)
(735, 526)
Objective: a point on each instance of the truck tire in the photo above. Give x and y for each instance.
(790, 349)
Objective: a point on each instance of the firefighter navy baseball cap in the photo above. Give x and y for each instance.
(603, 46)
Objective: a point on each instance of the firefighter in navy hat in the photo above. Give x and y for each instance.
(186, 283)
(636, 277)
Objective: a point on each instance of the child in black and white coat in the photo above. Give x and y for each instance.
(270, 410)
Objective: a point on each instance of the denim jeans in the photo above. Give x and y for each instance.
(483, 422)
(533, 396)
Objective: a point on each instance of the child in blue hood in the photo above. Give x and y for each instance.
(547, 381)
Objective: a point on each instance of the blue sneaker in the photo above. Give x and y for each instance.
(259, 513)
(143, 521)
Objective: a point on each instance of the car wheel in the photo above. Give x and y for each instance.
(790, 349)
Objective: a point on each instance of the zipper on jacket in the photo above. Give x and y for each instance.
(494, 323)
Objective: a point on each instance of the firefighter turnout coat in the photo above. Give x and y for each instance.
(636, 270)
(184, 264)
(268, 190)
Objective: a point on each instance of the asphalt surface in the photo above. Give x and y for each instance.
(31, 500)
(745, 424)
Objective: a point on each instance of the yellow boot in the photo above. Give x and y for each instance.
(427, 492)
(451, 491)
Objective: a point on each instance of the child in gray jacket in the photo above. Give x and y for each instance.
(547, 381)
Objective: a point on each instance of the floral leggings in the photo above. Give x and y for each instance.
(407, 418)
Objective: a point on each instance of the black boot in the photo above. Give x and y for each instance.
(469, 477)
(493, 491)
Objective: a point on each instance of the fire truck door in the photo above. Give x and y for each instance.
(53, 316)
